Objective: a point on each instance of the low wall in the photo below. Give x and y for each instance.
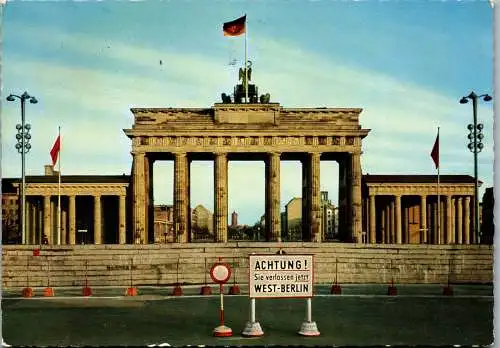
(166, 264)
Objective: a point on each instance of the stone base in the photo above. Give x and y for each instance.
(252, 330)
(309, 328)
(223, 331)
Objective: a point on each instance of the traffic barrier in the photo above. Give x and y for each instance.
(235, 288)
(336, 289)
(391, 289)
(27, 291)
(448, 290)
(177, 289)
(48, 291)
(87, 291)
(205, 289)
(132, 290)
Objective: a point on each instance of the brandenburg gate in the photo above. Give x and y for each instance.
(247, 131)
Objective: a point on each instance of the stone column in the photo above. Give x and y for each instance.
(423, 219)
(388, 224)
(306, 236)
(429, 223)
(53, 222)
(315, 199)
(392, 221)
(28, 221)
(64, 226)
(449, 230)
(372, 213)
(220, 197)
(273, 197)
(442, 220)
(31, 222)
(398, 219)
(467, 220)
(47, 222)
(139, 196)
(382, 227)
(356, 195)
(180, 198)
(72, 220)
(149, 223)
(122, 221)
(459, 220)
(97, 220)
(435, 234)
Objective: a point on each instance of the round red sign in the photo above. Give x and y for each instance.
(220, 273)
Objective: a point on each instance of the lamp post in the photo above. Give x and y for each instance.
(475, 146)
(23, 146)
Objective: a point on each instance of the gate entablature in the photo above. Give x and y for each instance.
(265, 128)
(247, 127)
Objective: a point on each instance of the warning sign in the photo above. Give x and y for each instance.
(281, 276)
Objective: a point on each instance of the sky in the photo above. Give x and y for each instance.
(406, 64)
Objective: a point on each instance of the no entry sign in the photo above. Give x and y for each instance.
(281, 276)
(220, 273)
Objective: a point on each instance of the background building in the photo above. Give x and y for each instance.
(327, 217)
(202, 226)
(164, 220)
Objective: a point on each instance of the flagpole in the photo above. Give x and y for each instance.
(59, 193)
(439, 201)
(246, 67)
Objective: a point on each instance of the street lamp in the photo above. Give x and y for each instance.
(23, 146)
(475, 146)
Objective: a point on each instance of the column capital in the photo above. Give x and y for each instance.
(180, 154)
(138, 153)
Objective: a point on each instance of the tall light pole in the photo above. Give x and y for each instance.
(475, 146)
(23, 146)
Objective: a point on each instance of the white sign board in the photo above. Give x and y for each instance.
(280, 276)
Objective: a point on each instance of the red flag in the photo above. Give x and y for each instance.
(236, 27)
(435, 152)
(54, 153)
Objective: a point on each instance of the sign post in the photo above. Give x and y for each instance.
(280, 276)
(220, 274)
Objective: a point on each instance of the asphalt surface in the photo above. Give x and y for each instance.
(362, 315)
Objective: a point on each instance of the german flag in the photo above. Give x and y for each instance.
(236, 27)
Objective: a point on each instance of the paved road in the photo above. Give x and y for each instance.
(419, 319)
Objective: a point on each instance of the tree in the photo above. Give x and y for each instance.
(10, 228)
